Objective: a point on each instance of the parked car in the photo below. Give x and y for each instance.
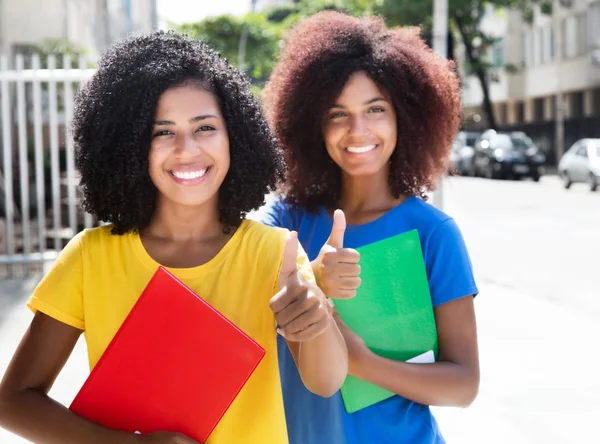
(462, 153)
(581, 163)
(500, 155)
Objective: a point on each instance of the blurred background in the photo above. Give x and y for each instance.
(523, 182)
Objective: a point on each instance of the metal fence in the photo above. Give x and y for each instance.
(39, 194)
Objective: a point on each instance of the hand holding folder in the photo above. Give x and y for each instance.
(392, 311)
(176, 365)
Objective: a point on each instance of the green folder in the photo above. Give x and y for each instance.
(392, 310)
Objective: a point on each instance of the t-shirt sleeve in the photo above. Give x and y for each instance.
(60, 292)
(304, 266)
(277, 214)
(448, 264)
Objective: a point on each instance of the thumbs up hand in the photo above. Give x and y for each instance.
(336, 268)
(300, 308)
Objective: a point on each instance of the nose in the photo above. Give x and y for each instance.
(358, 125)
(186, 146)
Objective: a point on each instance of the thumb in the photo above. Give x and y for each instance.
(290, 257)
(336, 238)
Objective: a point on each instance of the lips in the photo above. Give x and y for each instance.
(190, 174)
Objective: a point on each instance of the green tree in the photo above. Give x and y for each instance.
(265, 31)
(223, 34)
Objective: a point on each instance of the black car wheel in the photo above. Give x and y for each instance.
(593, 182)
(567, 182)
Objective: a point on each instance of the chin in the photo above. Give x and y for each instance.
(187, 201)
(363, 171)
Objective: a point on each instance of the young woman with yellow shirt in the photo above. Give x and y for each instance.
(173, 151)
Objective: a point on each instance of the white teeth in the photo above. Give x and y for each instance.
(361, 149)
(189, 175)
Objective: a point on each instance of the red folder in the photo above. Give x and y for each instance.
(176, 365)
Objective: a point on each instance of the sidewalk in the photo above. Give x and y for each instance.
(539, 379)
(14, 320)
(539, 374)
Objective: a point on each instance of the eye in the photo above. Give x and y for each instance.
(337, 115)
(206, 128)
(162, 133)
(376, 109)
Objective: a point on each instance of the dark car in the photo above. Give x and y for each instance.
(500, 155)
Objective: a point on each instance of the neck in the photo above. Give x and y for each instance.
(181, 223)
(366, 193)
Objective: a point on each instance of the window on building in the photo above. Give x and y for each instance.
(498, 54)
(547, 44)
(596, 104)
(575, 35)
(538, 110)
(529, 59)
(520, 112)
(577, 104)
(582, 37)
(537, 46)
(593, 30)
(570, 36)
(504, 113)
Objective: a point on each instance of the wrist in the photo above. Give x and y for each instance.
(359, 360)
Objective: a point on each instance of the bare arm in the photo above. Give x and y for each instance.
(25, 407)
(452, 381)
(322, 361)
(305, 319)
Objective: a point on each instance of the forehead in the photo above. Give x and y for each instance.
(359, 88)
(187, 99)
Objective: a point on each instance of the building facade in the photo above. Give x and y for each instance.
(554, 94)
(90, 24)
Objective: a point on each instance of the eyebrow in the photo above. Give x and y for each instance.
(368, 102)
(192, 120)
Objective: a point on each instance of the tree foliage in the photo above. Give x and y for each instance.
(266, 29)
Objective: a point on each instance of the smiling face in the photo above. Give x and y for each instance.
(360, 129)
(189, 152)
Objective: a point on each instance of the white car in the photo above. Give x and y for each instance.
(581, 163)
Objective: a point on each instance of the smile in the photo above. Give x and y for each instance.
(189, 175)
(361, 149)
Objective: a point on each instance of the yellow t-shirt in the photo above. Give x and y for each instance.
(99, 276)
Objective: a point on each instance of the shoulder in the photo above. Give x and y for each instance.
(431, 222)
(279, 213)
(428, 215)
(92, 239)
(260, 237)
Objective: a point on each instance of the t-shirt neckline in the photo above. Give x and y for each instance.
(228, 248)
(369, 225)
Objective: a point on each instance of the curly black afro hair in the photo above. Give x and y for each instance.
(113, 121)
(319, 56)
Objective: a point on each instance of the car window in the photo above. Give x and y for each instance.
(573, 149)
(504, 142)
(582, 151)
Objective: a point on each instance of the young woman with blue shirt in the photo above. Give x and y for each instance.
(366, 117)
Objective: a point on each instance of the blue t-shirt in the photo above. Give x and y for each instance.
(312, 419)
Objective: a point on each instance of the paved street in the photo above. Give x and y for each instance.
(535, 249)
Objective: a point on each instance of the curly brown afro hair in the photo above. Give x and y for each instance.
(114, 115)
(319, 56)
